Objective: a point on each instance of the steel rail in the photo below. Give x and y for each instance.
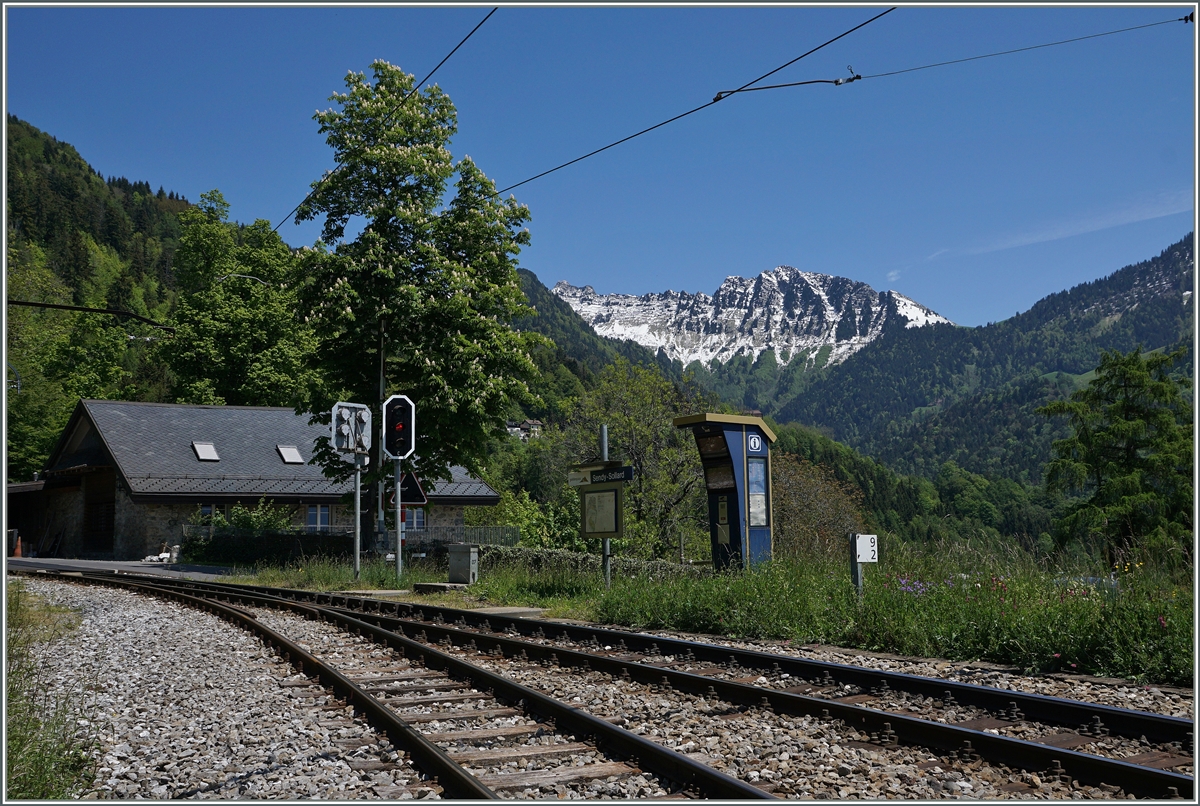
(964, 742)
(1137, 779)
(1052, 710)
(1128, 723)
(609, 738)
(455, 781)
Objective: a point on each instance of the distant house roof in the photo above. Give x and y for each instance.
(463, 488)
(153, 448)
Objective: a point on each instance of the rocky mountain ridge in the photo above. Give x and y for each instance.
(818, 318)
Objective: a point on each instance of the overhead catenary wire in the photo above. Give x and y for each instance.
(1190, 18)
(835, 81)
(416, 87)
(109, 311)
(696, 109)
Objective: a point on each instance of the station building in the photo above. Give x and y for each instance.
(125, 477)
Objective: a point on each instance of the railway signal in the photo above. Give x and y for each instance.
(399, 427)
(399, 442)
(350, 429)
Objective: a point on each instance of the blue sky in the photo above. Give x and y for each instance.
(975, 189)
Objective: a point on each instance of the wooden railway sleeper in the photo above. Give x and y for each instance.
(1143, 781)
(1180, 782)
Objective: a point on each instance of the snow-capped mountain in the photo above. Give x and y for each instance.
(793, 312)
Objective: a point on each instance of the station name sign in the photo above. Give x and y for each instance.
(580, 478)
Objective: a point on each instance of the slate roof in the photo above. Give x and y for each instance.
(463, 488)
(151, 445)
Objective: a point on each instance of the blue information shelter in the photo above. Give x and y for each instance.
(735, 452)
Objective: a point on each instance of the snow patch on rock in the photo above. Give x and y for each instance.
(792, 312)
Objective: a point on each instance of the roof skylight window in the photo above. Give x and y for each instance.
(290, 454)
(205, 451)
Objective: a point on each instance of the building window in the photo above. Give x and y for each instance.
(205, 451)
(208, 510)
(318, 517)
(414, 518)
(290, 454)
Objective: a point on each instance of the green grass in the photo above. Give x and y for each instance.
(564, 593)
(957, 602)
(331, 574)
(962, 601)
(46, 755)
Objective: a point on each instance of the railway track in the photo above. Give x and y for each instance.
(506, 740)
(477, 702)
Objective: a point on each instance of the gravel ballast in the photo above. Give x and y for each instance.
(183, 704)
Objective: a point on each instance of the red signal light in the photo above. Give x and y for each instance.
(399, 421)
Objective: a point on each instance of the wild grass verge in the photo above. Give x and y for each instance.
(336, 574)
(47, 754)
(955, 601)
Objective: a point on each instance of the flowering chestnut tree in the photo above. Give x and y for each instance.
(426, 290)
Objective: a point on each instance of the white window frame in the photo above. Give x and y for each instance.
(205, 451)
(315, 512)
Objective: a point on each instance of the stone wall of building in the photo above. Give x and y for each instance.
(64, 514)
(141, 529)
(436, 515)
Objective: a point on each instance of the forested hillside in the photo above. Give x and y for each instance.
(577, 339)
(919, 397)
(59, 203)
(570, 365)
(75, 238)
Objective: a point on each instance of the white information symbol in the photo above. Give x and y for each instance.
(755, 442)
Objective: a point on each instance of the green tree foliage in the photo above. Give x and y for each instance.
(262, 517)
(560, 383)
(531, 479)
(62, 356)
(239, 338)
(428, 287)
(994, 432)
(956, 503)
(904, 505)
(1130, 456)
(666, 496)
(551, 525)
(39, 408)
(969, 394)
(55, 199)
(814, 512)
(75, 239)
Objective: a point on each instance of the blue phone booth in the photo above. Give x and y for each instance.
(735, 452)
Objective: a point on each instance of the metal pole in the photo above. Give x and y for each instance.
(856, 568)
(606, 556)
(399, 527)
(357, 514)
(381, 525)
